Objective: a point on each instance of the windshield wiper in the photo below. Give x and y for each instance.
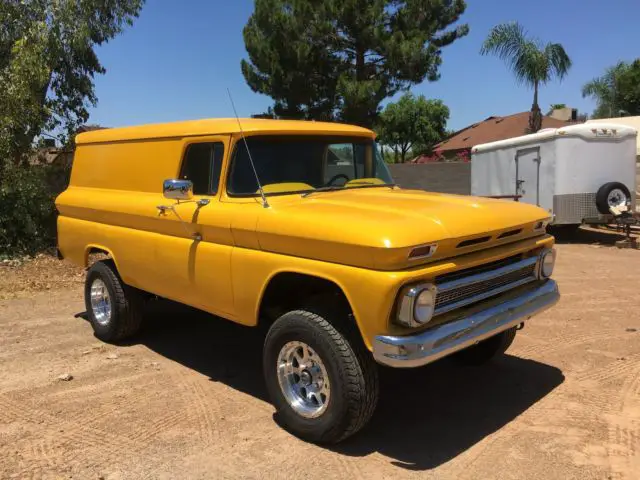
(332, 188)
(322, 189)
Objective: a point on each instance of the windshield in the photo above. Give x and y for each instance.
(295, 164)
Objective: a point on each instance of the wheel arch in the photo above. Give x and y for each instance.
(284, 284)
(94, 248)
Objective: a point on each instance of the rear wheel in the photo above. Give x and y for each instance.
(487, 350)
(612, 194)
(114, 308)
(324, 387)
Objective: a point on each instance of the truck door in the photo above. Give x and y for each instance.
(194, 248)
(528, 175)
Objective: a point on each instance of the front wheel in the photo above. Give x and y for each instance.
(324, 388)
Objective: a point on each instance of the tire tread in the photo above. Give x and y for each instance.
(357, 368)
(127, 301)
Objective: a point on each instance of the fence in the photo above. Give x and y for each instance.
(445, 177)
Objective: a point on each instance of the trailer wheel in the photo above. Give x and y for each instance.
(612, 194)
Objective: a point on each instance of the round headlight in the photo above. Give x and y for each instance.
(547, 262)
(424, 305)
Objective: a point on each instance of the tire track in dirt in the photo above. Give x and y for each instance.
(630, 399)
(153, 428)
(613, 370)
(64, 444)
(601, 400)
(137, 395)
(465, 469)
(566, 341)
(350, 467)
(569, 427)
(204, 412)
(197, 405)
(67, 428)
(623, 446)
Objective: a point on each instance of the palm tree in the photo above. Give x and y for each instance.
(604, 90)
(532, 62)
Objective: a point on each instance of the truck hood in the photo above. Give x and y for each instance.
(378, 227)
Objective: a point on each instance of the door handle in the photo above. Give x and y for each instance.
(162, 210)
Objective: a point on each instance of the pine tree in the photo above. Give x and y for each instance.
(341, 58)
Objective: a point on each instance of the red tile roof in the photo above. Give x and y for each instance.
(493, 129)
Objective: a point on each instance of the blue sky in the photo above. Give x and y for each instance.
(178, 59)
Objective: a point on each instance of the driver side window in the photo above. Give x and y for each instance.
(340, 161)
(202, 164)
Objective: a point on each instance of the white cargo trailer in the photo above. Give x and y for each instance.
(576, 173)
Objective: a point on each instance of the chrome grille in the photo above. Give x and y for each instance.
(485, 267)
(456, 290)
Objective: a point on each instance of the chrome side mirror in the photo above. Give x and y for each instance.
(178, 189)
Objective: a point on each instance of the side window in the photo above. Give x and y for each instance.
(202, 164)
(340, 162)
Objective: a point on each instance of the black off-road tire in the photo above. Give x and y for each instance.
(127, 303)
(603, 193)
(486, 350)
(353, 375)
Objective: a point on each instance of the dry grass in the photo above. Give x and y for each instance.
(21, 277)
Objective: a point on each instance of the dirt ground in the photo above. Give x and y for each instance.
(185, 399)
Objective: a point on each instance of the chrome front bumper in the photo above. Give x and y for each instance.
(445, 339)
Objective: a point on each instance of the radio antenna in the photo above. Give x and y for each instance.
(265, 204)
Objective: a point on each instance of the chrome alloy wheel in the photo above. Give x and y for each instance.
(100, 302)
(303, 379)
(616, 198)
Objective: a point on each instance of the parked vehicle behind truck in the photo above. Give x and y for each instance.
(298, 228)
(577, 173)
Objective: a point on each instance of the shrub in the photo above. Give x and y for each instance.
(464, 156)
(27, 211)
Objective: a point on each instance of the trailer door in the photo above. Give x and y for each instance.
(528, 175)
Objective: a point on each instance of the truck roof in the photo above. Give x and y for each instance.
(215, 126)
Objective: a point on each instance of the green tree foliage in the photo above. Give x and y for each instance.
(413, 124)
(617, 91)
(532, 62)
(47, 67)
(339, 59)
(48, 62)
(27, 212)
(556, 106)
